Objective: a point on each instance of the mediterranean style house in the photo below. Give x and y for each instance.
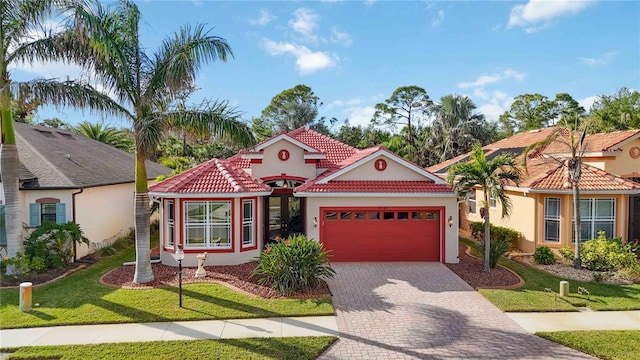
(543, 203)
(68, 177)
(362, 205)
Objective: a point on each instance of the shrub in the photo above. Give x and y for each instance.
(293, 264)
(601, 254)
(567, 254)
(497, 248)
(499, 233)
(544, 255)
(49, 246)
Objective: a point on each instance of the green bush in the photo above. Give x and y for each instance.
(567, 254)
(49, 246)
(544, 255)
(502, 234)
(497, 248)
(293, 264)
(601, 254)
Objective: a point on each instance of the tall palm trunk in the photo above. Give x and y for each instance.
(487, 235)
(9, 163)
(143, 273)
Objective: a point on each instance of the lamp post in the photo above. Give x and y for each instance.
(179, 255)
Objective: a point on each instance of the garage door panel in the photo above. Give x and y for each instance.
(387, 235)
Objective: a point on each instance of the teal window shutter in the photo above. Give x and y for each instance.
(34, 215)
(3, 230)
(61, 213)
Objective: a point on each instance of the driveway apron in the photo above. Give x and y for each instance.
(422, 310)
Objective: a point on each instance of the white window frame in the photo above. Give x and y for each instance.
(492, 202)
(592, 218)
(552, 218)
(170, 215)
(471, 201)
(250, 222)
(208, 225)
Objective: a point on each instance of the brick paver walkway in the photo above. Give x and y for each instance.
(424, 311)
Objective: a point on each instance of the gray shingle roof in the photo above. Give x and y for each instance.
(62, 159)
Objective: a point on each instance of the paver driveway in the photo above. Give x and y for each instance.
(423, 310)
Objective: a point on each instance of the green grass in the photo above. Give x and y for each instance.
(263, 348)
(531, 297)
(79, 299)
(610, 345)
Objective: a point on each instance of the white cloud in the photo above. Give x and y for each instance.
(340, 37)
(538, 14)
(439, 18)
(369, 2)
(198, 2)
(307, 61)
(587, 102)
(56, 70)
(490, 79)
(305, 23)
(496, 106)
(360, 115)
(603, 59)
(264, 19)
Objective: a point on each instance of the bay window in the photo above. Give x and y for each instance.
(207, 224)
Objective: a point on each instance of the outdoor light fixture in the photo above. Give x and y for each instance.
(450, 221)
(315, 221)
(179, 255)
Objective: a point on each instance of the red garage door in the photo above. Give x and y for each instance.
(389, 234)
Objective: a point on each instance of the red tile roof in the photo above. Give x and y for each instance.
(551, 174)
(375, 186)
(213, 176)
(597, 142)
(334, 149)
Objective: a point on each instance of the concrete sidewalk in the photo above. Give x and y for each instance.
(177, 330)
(583, 320)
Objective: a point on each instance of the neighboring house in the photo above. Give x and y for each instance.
(362, 205)
(68, 177)
(543, 204)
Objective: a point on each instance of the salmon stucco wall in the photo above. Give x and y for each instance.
(522, 217)
(393, 171)
(622, 164)
(450, 204)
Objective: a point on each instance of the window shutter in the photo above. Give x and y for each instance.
(34, 215)
(3, 231)
(61, 213)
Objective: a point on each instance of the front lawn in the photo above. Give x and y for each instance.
(263, 348)
(610, 345)
(79, 299)
(531, 296)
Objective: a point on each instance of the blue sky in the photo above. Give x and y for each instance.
(354, 54)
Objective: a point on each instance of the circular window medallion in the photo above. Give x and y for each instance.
(283, 155)
(380, 164)
(635, 152)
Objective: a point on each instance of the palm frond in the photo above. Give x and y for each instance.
(69, 93)
(149, 132)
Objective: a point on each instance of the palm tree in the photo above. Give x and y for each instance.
(491, 175)
(105, 134)
(455, 127)
(18, 21)
(108, 42)
(571, 137)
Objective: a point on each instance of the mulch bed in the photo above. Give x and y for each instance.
(237, 277)
(39, 278)
(470, 269)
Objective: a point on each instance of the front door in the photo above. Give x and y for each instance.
(285, 216)
(634, 217)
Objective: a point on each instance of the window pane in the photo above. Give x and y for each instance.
(195, 211)
(552, 231)
(247, 235)
(374, 215)
(606, 226)
(219, 212)
(48, 212)
(345, 215)
(604, 208)
(332, 215)
(247, 209)
(585, 208)
(585, 231)
(220, 236)
(417, 215)
(359, 215)
(388, 215)
(552, 208)
(492, 202)
(195, 236)
(432, 215)
(403, 215)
